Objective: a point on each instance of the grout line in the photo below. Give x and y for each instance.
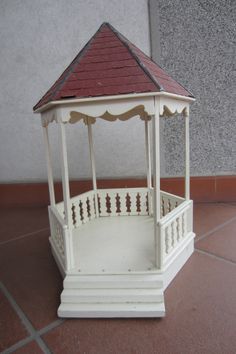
(219, 258)
(31, 338)
(18, 345)
(50, 326)
(28, 325)
(215, 229)
(23, 236)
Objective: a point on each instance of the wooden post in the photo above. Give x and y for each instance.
(66, 196)
(156, 177)
(91, 151)
(148, 160)
(187, 159)
(49, 166)
(65, 177)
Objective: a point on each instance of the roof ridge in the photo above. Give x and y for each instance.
(71, 67)
(126, 42)
(154, 62)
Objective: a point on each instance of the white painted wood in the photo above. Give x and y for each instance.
(173, 230)
(60, 239)
(57, 226)
(114, 245)
(49, 166)
(187, 159)
(65, 176)
(170, 107)
(147, 280)
(57, 215)
(136, 97)
(102, 292)
(156, 178)
(133, 198)
(80, 203)
(178, 259)
(148, 153)
(148, 162)
(156, 167)
(79, 207)
(69, 260)
(56, 257)
(96, 107)
(92, 160)
(79, 296)
(102, 198)
(175, 213)
(118, 199)
(66, 194)
(112, 310)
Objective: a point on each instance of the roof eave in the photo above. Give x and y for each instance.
(53, 104)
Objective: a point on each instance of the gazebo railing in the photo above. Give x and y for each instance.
(173, 230)
(117, 202)
(59, 232)
(123, 201)
(169, 202)
(83, 208)
(174, 226)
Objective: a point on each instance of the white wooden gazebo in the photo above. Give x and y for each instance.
(117, 249)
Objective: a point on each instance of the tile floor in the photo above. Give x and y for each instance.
(200, 302)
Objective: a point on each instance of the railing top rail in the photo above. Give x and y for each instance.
(175, 212)
(82, 195)
(123, 189)
(172, 195)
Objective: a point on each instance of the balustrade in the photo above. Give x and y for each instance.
(57, 226)
(173, 228)
(115, 202)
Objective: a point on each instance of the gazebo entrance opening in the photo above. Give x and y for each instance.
(113, 243)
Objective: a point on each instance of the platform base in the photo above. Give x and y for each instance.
(123, 284)
(112, 310)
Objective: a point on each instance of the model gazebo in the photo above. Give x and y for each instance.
(117, 249)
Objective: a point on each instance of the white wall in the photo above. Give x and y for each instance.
(38, 39)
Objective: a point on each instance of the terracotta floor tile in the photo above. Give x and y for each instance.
(201, 319)
(221, 243)
(18, 221)
(11, 328)
(29, 272)
(207, 216)
(30, 348)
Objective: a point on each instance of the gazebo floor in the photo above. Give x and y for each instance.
(115, 245)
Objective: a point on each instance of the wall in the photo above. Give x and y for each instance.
(193, 40)
(197, 47)
(38, 39)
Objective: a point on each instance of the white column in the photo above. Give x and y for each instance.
(156, 177)
(65, 177)
(49, 166)
(148, 161)
(92, 160)
(148, 153)
(187, 159)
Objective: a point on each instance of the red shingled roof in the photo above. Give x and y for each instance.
(108, 65)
